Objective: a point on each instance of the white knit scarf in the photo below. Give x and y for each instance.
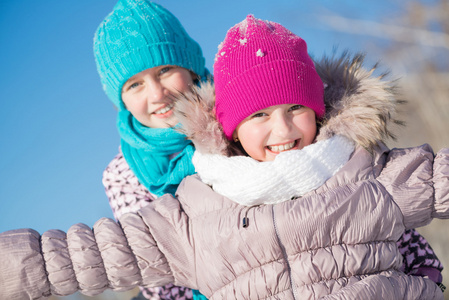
(292, 173)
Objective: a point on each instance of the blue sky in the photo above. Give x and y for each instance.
(57, 126)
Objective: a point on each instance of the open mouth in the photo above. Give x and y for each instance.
(164, 109)
(283, 147)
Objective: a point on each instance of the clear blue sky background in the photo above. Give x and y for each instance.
(57, 126)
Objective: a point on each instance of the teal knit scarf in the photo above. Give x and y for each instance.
(149, 151)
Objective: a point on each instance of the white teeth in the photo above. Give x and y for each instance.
(281, 148)
(163, 110)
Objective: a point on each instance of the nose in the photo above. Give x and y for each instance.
(282, 125)
(156, 91)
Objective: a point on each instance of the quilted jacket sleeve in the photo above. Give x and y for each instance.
(170, 227)
(89, 260)
(419, 183)
(441, 184)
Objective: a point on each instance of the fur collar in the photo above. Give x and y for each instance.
(359, 106)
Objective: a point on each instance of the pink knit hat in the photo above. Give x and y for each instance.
(261, 64)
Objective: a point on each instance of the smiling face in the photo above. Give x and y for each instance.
(147, 94)
(270, 131)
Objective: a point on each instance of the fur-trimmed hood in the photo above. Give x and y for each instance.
(359, 106)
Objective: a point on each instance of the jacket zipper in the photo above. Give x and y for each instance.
(284, 254)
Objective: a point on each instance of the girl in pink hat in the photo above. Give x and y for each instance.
(312, 198)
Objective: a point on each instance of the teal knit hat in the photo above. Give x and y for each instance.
(138, 35)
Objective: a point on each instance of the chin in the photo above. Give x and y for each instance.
(172, 123)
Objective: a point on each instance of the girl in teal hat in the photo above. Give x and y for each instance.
(143, 56)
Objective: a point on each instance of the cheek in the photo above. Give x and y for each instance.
(135, 104)
(127, 101)
(306, 123)
(181, 82)
(252, 138)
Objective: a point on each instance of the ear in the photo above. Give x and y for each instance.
(235, 136)
(195, 78)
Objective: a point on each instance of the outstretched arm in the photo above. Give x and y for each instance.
(89, 260)
(418, 181)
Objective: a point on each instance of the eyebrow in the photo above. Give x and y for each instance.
(130, 79)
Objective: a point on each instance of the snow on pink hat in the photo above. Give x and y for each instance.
(260, 64)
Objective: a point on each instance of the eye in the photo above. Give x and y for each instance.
(133, 86)
(164, 70)
(295, 107)
(258, 115)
